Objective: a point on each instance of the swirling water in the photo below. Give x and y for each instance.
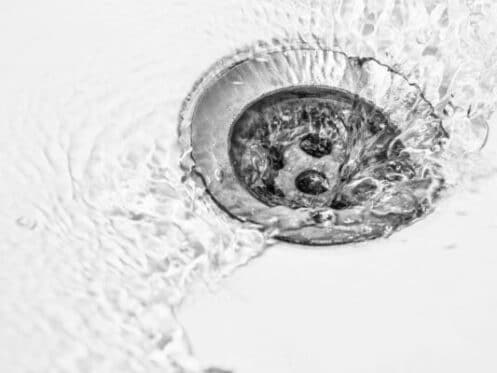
(101, 236)
(378, 172)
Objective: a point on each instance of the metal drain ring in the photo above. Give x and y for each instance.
(227, 91)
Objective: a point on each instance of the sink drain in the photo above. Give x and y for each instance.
(324, 148)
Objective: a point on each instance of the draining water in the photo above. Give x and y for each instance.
(290, 147)
(326, 122)
(323, 147)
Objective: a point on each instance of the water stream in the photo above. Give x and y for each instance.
(102, 233)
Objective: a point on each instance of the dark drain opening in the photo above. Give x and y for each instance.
(312, 182)
(289, 147)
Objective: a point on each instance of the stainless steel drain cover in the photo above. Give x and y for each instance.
(327, 149)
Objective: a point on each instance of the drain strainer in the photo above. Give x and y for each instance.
(325, 148)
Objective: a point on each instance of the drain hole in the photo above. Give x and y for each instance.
(311, 182)
(339, 204)
(315, 145)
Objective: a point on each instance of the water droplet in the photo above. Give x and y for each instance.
(26, 222)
